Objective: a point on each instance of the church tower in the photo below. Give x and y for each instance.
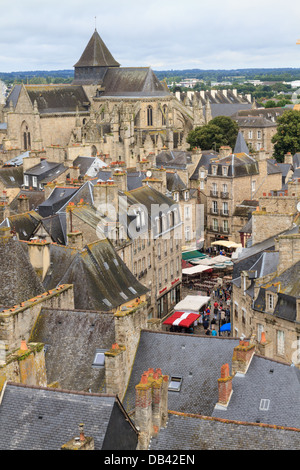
(94, 62)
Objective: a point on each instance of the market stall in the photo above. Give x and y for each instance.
(186, 313)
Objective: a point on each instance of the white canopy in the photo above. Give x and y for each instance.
(195, 270)
(227, 243)
(191, 303)
(215, 260)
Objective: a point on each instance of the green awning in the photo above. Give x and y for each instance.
(186, 255)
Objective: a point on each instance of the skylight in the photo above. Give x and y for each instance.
(264, 404)
(175, 383)
(107, 302)
(132, 290)
(99, 358)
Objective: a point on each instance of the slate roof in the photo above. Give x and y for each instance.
(96, 54)
(254, 121)
(84, 192)
(69, 356)
(24, 224)
(200, 433)
(287, 287)
(13, 96)
(296, 160)
(198, 359)
(55, 226)
(204, 161)
(34, 198)
(174, 182)
(57, 199)
(18, 281)
(268, 244)
(173, 159)
(85, 163)
(101, 279)
(240, 145)
(44, 419)
(58, 98)
(269, 380)
(239, 164)
(16, 161)
(46, 171)
(132, 82)
(12, 176)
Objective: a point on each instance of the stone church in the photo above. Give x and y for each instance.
(121, 113)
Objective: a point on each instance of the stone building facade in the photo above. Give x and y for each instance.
(232, 179)
(265, 301)
(123, 112)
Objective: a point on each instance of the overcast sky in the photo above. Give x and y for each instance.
(163, 34)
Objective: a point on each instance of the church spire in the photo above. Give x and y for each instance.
(96, 54)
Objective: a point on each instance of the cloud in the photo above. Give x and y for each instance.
(165, 34)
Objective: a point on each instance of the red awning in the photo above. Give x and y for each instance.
(182, 319)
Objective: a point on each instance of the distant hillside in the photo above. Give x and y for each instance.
(66, 76)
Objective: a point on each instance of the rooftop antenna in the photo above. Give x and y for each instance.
(95, 23)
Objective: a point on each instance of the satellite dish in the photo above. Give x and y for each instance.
(149, 174)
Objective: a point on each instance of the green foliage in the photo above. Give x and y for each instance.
(220, 131)
(287, 137)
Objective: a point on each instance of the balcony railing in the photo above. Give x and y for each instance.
(214, 194)
(224, 195)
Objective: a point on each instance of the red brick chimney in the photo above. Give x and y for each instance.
(242, 356)
(225, 386)
(151, 405)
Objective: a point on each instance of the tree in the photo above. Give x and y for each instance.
(287, 137)
(220, 131)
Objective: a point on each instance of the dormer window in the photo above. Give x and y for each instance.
(270, 301)
(186, 195)
(225, 170)
(176, 197)
(214, 170)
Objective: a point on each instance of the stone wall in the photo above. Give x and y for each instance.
(26, 365)
(17, 322)
(119, 360)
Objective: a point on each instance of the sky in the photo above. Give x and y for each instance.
(162, 34)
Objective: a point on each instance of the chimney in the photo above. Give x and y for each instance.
(289, 251)
(39, 254)
(224, 386)
(23, 204)
(120, 178)
(225, 151)
(106, 197)
(288, 158)
(75, 240)
(242, 356)
(5, 234)
(80, 442)
(151, 405)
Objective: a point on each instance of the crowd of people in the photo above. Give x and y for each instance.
(217, 312)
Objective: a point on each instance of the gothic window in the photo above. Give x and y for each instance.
(26, 138)
(150, 116)
(164, 115)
